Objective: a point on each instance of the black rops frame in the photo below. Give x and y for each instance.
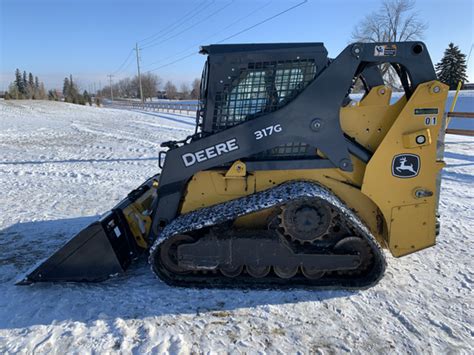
(226, 60)
(312, 117)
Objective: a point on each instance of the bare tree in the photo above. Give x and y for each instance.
(394, 21)
(129, 87)
(126, 88)
(150, 84)
(184, 91)
(196, 85)
(170, 90)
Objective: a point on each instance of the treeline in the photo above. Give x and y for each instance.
(25, 87)
(152, 86)
(28, 87)
(185, 92)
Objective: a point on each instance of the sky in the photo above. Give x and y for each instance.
(91, 39)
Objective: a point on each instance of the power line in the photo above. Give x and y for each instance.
(124, 71)
(195, 11)
(173, 62)
(262, 22)
(150, 38)
(234, 35)
(214, 34)
(125, 61)
(189, 27)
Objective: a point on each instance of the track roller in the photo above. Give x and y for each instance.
(285, 272)
(258, 272)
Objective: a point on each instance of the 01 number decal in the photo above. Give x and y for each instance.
(267, 131)
(430, 121)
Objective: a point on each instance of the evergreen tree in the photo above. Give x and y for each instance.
(66, 89)
(87, 97)
(52, 95)
(31, 80)
(31, 87)
(73, 94)
(70, 91)
(452, 67)
(25, 83)
(37, 85)
(19, 88)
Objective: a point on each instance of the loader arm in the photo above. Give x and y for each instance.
(312, 117)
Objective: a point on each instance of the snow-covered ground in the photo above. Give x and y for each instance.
(62, 165)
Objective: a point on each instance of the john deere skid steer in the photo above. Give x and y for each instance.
(286, 182)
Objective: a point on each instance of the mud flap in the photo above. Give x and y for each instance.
(102, 249)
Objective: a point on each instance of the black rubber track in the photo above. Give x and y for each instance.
(199, 221)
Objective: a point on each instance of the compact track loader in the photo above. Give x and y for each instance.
(286, 182)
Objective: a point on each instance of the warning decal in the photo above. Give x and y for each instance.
(385, 50)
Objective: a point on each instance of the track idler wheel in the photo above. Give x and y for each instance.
(169, 252)
(355, 245)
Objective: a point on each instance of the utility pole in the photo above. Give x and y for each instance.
(138, 69)
(111, 90)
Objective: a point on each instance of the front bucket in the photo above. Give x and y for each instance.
(99, 251)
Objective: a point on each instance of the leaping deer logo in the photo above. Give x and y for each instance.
(403, 166)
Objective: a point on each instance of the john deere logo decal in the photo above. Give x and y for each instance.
(405, 165)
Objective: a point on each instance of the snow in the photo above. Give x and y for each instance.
(62, 165)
